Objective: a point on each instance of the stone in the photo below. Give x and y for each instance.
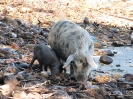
(128, 77)
(109, 53)
(11, 79)
(106, 59)
(86, 20)
(2, 24)
(18, 94)
(117, 44)
(11, 69)
(115, 30)
(15, 46)
(44, 74)
(33, 95)
(25, 9)
(97, 45)
(104, 52)
(116, 76)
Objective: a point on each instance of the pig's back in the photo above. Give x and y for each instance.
(66, 38)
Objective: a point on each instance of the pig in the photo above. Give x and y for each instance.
(74, 45)
(46, 57)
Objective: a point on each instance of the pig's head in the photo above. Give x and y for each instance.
(57, 70)
(81, 64)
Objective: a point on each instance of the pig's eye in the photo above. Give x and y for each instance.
(73, 64)
(85, 65)
(81, 61)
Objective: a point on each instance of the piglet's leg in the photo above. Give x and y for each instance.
(45, 67)
(41, 66)
(30, 66)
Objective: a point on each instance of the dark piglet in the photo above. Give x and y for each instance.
(46, 57)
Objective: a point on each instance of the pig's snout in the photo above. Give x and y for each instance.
(55, 71)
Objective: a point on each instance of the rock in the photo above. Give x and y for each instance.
(51, 11)
(29, 84)
(23, 73)
(104, 52)
(50, 95)
(11, 79)
(90, 29)
(19, 77)
(97, 45)
(15, 46)
(11, 69)
(95, 24)
(9, 50)
(6, 90)
(102, 91)
(2, 55)
(106, 59)
(109, 53)
(98, 96)
(25, 9)
(18, 31)
(34, 95)
(29, 77)
(116, 76)
(61, 93)
(18, 21)
(121, 80)
(115, 30)
(118, 94)
(27, 35)
(18, 94)
(21, 41)
(122, 83)
(128, 77)
(3, 24)
(13, 35)
(14, 23)
(45, 34)
(86, 20)
(35, 31)
(7, 61)
(118, 65)
(7, 35)
(102, 79)
(21, 65)
(45, 74)
(5, 51)
(88, 85)
(117, 44)
(104, 38)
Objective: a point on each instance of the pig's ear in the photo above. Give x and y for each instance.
(69, 59)
(91, 61)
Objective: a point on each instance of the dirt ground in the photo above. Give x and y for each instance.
(24, 23)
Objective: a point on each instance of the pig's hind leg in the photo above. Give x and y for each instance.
(32, 61)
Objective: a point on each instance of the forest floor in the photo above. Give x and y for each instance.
(24, 23)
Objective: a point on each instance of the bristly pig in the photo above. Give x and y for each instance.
(74, 45)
